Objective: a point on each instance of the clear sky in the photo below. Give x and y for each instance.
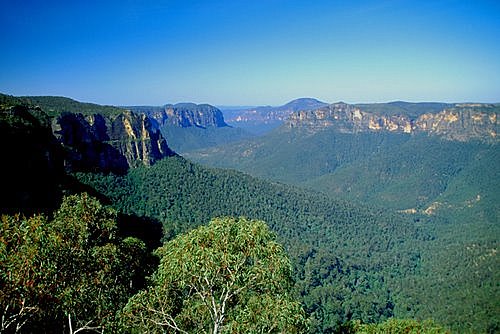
(252, 52)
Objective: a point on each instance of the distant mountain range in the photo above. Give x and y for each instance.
(264, 118)
(453, 121)
(346, 149)
(269, 113)
(391, 116)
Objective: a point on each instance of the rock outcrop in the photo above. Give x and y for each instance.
(187, 115)
(108, 143)
(41, 142)
(461, 122)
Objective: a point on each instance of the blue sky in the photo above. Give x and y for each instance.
(253, 52)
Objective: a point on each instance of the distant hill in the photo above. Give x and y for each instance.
(302, 104)
(264, 118)
(53, 105)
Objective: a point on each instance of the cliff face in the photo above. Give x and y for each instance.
(347, 118)
(461, 122)
(188, 115)
(90, 137)
(40, 144)
(96, 142)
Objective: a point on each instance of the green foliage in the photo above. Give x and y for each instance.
(7, 101)
(451, 186)
(412, 110)
(348, 259)
(73, 267)
(395, 326)
(229, 276)
(26, 275)
(54, 105)
(396, 171)
(411, 175)
(350, 262)
(297, 156)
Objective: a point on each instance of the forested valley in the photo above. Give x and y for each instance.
(174, 246)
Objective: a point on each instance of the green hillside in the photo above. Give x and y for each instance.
(449, 188)
(295, 156)
(411, 175)
(56, 104)
(398, 171)
(193, 138)
(332, 243)
(351, 261)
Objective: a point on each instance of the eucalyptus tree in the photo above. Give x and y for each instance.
(228, 276)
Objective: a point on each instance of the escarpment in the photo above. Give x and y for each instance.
(461, 122)
(88, 137)
(108, 143)
(186, 115)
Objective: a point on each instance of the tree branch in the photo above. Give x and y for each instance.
(168, 320)
(20, 318)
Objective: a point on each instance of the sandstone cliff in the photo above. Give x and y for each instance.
(42, 140)
(461, 122)
(186, 115)
(91, 137)
(106, 143)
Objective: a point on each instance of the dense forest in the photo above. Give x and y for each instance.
(399, 171)
(453, 185)
(352, 262)
(101, 251)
